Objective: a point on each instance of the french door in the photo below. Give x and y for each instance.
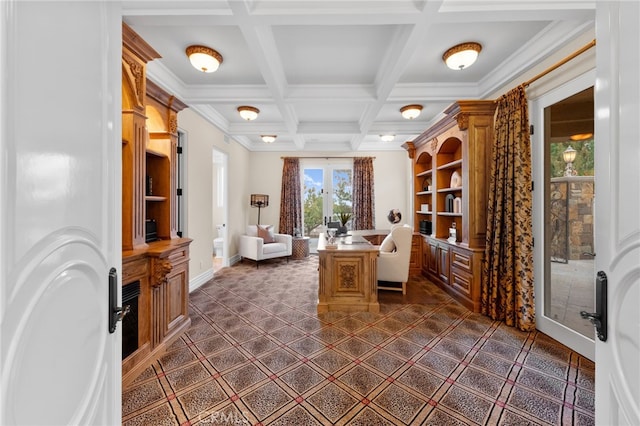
(564, 204)
(326, 192)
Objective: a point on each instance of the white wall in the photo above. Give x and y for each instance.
(392, 174)
(200, 139)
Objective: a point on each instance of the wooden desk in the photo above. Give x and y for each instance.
(348, 275)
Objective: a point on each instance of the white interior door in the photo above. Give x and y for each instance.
(617, 102)
(59, 216)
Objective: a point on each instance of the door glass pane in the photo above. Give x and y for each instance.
(341, 196)
(569, 212)
(312, 200)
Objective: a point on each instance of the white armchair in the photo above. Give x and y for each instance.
(393, 261)
(267, 245)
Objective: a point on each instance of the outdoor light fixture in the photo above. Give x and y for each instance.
(268, 138)
(204, 58)
(569, 155)
(462, 55)
(411, 111)
(248, 112)
(387, 138)
(259, 201)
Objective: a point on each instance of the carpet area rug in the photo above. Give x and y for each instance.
(258, 353)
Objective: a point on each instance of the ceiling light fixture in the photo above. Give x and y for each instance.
(462, 56)
(411, 111)
(581, 136)
(268, 138)
(387, 138)
(248, 112)
(204, 58)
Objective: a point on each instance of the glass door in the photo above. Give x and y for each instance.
(564, 215)
(326, 197)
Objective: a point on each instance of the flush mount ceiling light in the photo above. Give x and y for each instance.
(248, 112)
(411, 111)
(387, 138)
(462, 56)
(581, 136)
(268, 138)
(204, 58)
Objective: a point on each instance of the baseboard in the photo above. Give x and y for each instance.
(234, 259)
(200, 279)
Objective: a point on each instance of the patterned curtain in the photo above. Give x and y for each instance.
(363, 196)
(290, 197)
(507, 275)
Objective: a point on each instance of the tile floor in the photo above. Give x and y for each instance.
(258, 353)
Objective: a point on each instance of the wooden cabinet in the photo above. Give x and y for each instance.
(451, 176)
(160, 266)
(416, 255)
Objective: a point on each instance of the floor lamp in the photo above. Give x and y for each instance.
(259, 201)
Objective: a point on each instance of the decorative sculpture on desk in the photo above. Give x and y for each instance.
(394, 216)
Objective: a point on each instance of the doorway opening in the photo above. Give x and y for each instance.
(219, 211)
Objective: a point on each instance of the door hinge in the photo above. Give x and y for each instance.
(531, 129)
(533, 242)
(532, 185)
(179, 150)
(179, 192)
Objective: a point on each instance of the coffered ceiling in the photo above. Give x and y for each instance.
(331, 76)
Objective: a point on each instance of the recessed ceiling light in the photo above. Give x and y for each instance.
(411, 111)
(204, 58)
(462, 55)
(387, 138)
(248, 112)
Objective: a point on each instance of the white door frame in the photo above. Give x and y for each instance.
(225, 204)
(558, 331)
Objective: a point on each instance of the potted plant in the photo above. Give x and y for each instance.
(343, 217)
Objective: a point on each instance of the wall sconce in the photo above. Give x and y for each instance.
(259, 201)
(204, 58)
(268, 138)
(387, 138)
(248, 112)
(411, 111)
(569, 155)
(462, 55)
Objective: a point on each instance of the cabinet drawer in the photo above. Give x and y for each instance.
(462, 259)
(178, 256)
(462, 280)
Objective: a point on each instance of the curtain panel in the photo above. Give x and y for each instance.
(363, 193)
(290, 197)
(507, 279)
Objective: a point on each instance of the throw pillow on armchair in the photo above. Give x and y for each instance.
(266, 233)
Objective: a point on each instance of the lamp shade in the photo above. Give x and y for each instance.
(411, 111)
(462, 55)
(204, 58)
(387, 138)
(259, 200)
(268, 138)
(248, 112)
(569, 155)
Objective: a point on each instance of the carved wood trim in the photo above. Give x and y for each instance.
(161, 268)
